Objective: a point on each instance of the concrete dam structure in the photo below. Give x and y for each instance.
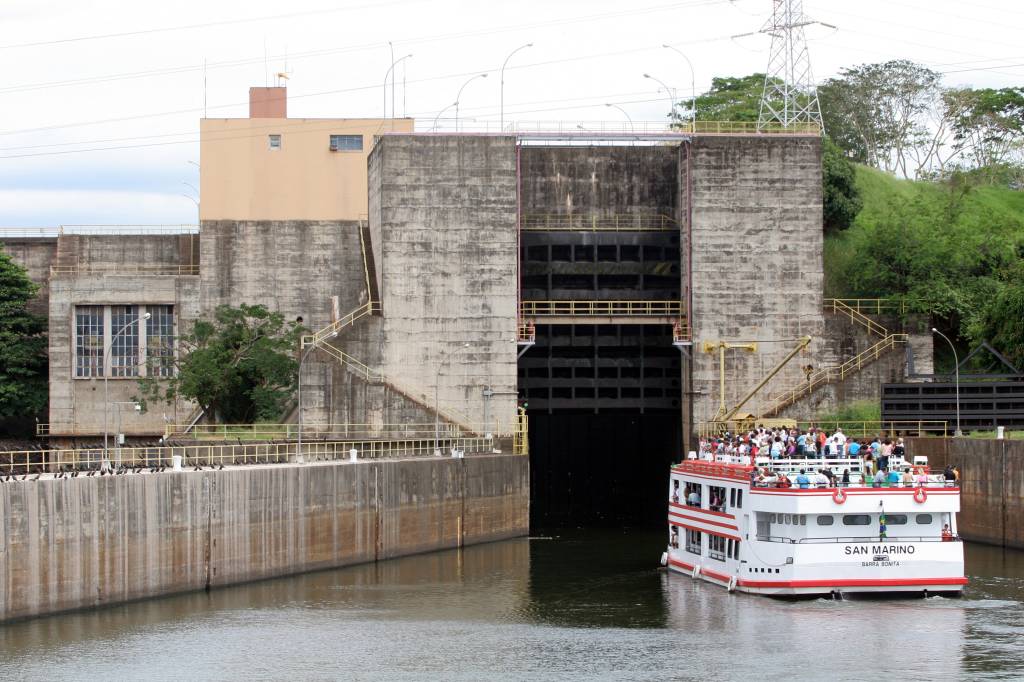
(607, 283)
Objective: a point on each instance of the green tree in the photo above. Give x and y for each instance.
(881, 114)
(239, 367)
(23, 366)
(731, 98)
(988, 124)
(841, 197)
(1000, 320)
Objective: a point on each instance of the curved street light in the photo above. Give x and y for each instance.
(626, 114)
(693, 80)
(434, 127)
(521, 47)
(106, 375)
(391, 68)
(957, 361)
(458, 97)
(668, 92)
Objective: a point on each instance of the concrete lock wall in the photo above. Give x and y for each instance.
(443, 212)
(36, 255)
(755, 230)
(86, 542)
(991, 485)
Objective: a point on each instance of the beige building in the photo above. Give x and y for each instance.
(270, 167)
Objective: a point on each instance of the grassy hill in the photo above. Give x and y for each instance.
(913, 228)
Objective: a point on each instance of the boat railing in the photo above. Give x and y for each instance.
(873, 539)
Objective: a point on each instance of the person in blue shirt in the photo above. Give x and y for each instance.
(802, 480)
(853, 448)
(894, 478)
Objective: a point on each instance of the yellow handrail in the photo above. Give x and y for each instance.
(871, 306)
(855, 429)
(24, 462)
(330, 431)
(638, 308)
(840, 306)
(368, 308)
(837, 373)
(624, 222)
(123, 269)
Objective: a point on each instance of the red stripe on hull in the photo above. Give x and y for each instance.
(855, 582)
(707, 521)
(704, 530)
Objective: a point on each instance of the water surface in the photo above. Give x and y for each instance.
(580, 605)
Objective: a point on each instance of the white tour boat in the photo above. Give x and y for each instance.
(732, 525)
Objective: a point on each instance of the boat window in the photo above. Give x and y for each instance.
(693, 541)
(716, 547)
(774, 519)
(739, 499)
(924, 519)
(736, 550)
(716, 497)
(895, 519)
(803, 520)
(692, 494)
(732, 497)
(856, 519)
(825, 520)
(789, 519)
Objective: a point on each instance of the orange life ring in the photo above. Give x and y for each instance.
(920, 495)
(839, 496)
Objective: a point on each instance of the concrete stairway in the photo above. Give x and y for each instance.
(373, 376)
(830, 375)
(369, 308)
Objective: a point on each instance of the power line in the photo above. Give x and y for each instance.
(325, 128)
(209, 24)
(174, 70)
(360, 88)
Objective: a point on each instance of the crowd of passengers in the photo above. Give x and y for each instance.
(816, 444)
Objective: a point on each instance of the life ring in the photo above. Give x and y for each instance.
(920, 495)
(839, 496)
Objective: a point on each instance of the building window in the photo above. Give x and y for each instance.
(89, 341)
(116, 331)
(160, 340)
(124, 346)
(346, 143)
(274, 142)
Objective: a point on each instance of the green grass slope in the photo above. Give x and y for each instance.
(971, 222)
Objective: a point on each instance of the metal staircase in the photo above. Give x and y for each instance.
(830, 375)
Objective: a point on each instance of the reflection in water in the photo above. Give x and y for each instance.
(579, 606)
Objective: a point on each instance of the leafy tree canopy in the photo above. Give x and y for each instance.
(1000, 321)
(732, 98)
(23, 365)
(841, 197)
(239, 367)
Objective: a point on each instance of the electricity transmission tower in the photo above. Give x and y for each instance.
(789, 95)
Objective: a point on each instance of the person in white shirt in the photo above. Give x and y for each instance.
(840, 438)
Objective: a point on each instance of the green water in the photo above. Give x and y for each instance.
(580, 605)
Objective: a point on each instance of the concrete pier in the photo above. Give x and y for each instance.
(90, 541)
(991, 484)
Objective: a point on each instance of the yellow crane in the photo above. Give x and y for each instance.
(725, 414)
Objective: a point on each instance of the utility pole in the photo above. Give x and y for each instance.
(790, 95)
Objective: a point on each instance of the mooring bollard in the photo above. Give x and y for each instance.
(353, 455)
(175, 462)
(1000, 432)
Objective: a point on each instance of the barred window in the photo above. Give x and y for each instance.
(116, 332)
(124, 347)
(89, 341)
(160, 340)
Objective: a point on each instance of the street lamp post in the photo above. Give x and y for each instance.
(458, 97)
(434, 127)
(521, 47)
(437, 405)
(693, 79)
(106, 374)
(957, 361)
(626, 113)
(394, 63)
(668, 92)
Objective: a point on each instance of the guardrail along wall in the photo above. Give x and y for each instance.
(93, 541)
(991, 484)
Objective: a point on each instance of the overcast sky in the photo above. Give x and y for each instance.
(101, 100)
